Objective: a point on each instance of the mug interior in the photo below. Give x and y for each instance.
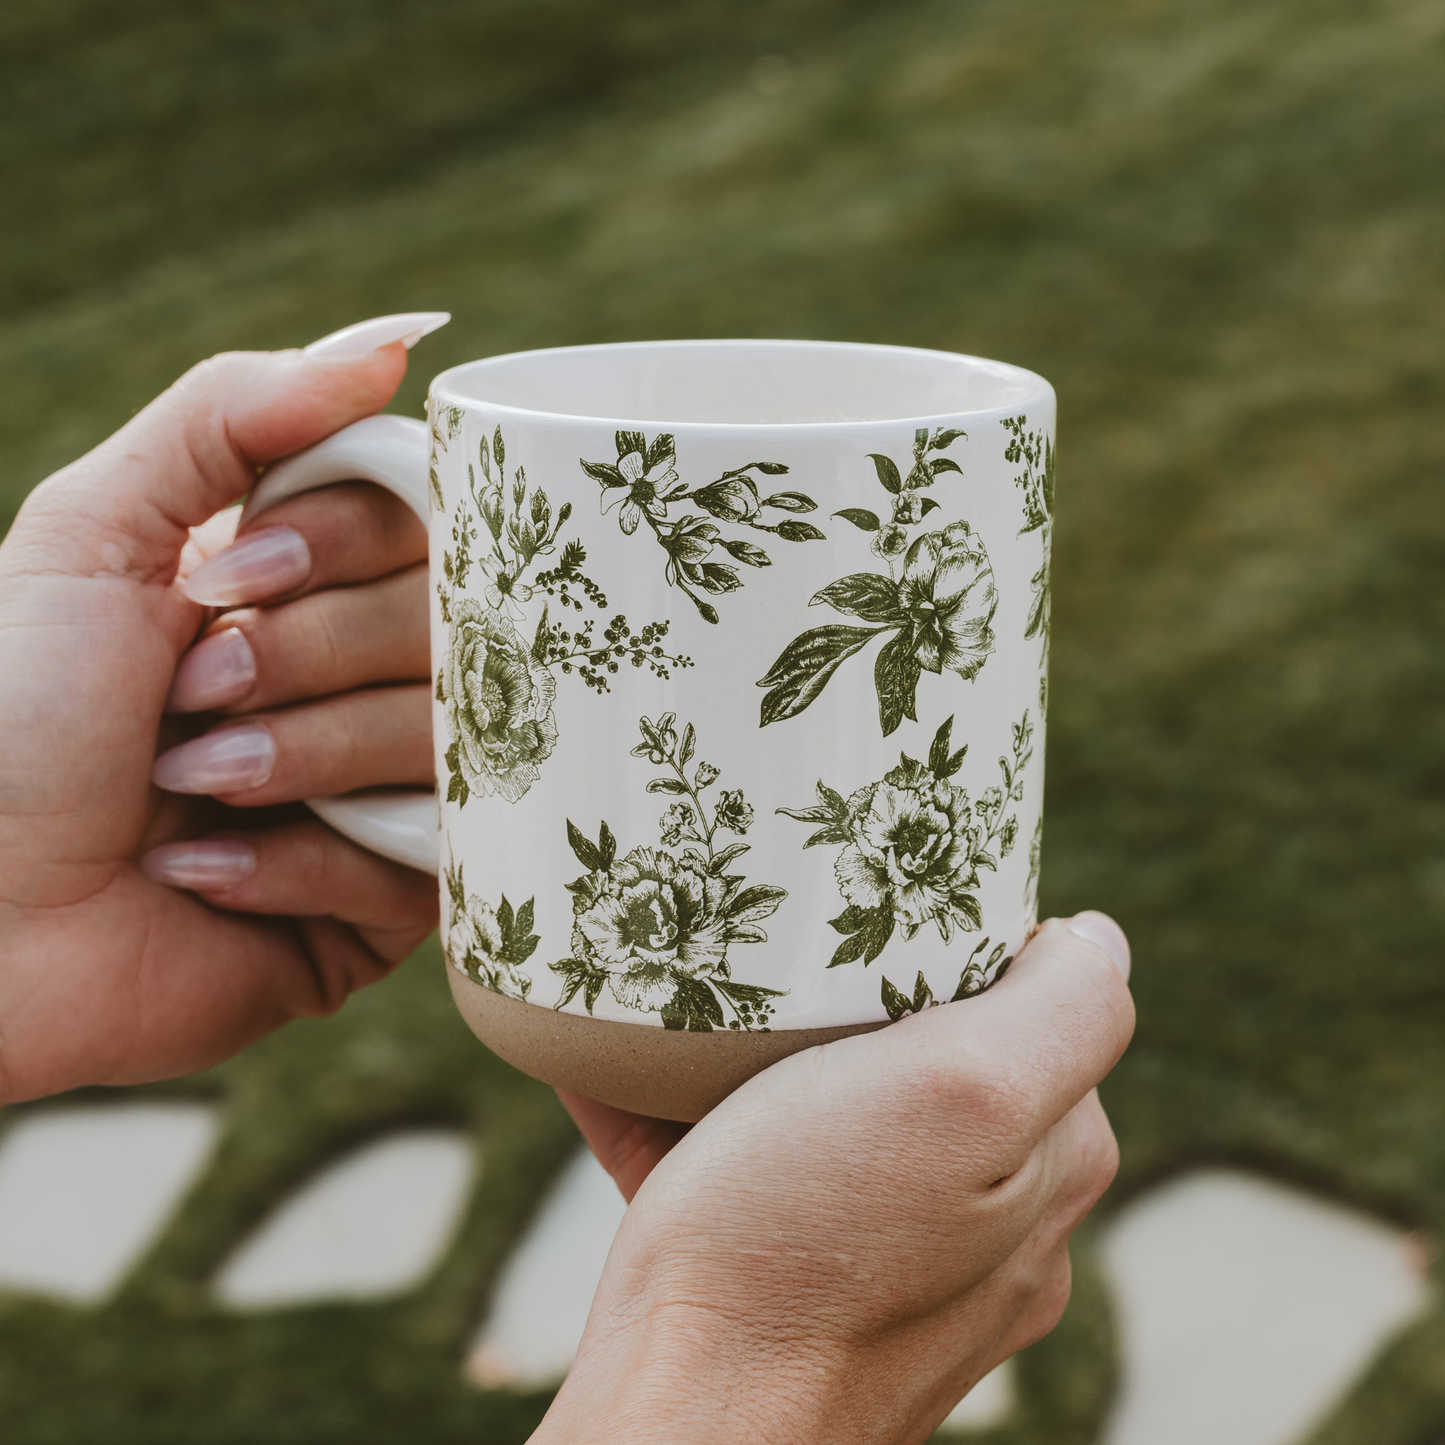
(742, 383)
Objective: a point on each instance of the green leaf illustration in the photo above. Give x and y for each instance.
(887, 472)
(662, 447)
(897, 1005)
(943, 464)
(945, 439)
(894, 1004)
(868, 595)
(586, 850)
(693, 1007)
(791, 531)
(870, 930)
(805, 665)
(790, 502)
(726, 856)
(759, 901)
(666, 785)
(604, 472)
(895, 675)
(938, 753)
(630, 441)
(862, 518)
(751, 994)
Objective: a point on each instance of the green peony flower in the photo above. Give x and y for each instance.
(911, 851)
(649, 920)
(498, 702)
(475, 946)
(948, 592)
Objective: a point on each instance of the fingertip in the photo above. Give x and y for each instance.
(1100, 929)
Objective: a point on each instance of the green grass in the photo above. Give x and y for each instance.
(1215, 226)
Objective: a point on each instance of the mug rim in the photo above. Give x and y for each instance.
(444, 384)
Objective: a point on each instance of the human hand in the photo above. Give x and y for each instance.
(850, 1242)
(108, 975)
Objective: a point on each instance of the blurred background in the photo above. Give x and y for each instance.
(1215, 225)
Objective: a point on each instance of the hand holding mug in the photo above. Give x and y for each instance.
(106, 974)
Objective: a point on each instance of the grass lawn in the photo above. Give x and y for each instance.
(1214, 225)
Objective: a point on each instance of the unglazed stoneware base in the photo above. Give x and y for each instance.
(663, 1073)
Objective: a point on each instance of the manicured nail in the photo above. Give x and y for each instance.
(260, 565)
(205, 863)
(408, 327)
(1101, 929)
(214, 673)
(229, 761)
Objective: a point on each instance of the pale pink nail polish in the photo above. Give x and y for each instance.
(407, 327)
(1101, 929)
(228, 761)
(214, 673)
(204, 863)
(260, 565)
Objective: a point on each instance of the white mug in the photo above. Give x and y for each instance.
(739, 652)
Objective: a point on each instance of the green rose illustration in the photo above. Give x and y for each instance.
(655, 927)
(498, 702)
(488, 945)
(652, 918)
(913, 845)
(912, 853)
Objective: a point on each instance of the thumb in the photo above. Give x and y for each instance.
(126, 508)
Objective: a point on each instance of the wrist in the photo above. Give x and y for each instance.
(691, 1373)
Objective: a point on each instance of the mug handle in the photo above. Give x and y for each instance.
(392, 451)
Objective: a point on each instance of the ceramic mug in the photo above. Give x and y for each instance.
(740, 657)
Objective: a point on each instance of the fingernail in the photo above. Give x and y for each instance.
(1101, 929)
(408, 327)
(214, 673)
(205, 863)
(228, 761)
(260, 565)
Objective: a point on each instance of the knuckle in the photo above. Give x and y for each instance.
(324, 643)
(992, 1096)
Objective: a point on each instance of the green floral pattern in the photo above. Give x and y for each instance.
(654, 927)
(497, 686)
(913, 844)
(938, 599)
(979, 974)
(1036, 451)
(498, 705)
(643, 486)
(488, 945)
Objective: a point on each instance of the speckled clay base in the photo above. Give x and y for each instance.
(665, 1073)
